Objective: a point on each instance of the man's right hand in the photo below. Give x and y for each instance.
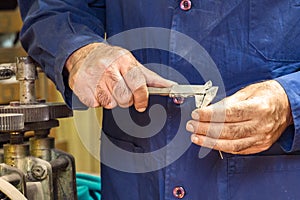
(107, 76)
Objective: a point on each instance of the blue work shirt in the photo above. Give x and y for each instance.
(234, 43)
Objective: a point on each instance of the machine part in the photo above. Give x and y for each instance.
(26, 74)
(203, 94)
(27, 91)
(7, 70)
(32, 113)
(38, 172)
(1, 156)
(35, 190)
(6, 74)
(26, 68)
(16, 138)
(4, 138)
(14, 176)
(41, 127)
(14, 152)
(49, 173)
(42, 147)
(64, 175)
(11, 122)
(38, 112)
(10, 191)
(63, 166)
(59, 110)
(35, 169)
(60, 163)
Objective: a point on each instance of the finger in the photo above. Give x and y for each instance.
(225, 112)
(154, 80)
(136, 82)
(117, 87)
(104, 97)
(228, 146)
(122, 94)
(237, 130)
(254, 149)
(88, 100)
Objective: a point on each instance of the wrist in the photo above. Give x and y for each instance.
(79, 54)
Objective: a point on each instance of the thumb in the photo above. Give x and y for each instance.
(155, 80)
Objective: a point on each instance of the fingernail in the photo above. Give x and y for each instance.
(189, 127)
(195, 115)
(194, 138)
(141, 109)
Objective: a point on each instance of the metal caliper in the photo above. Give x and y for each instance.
(203, 94)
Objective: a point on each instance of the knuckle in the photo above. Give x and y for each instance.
(264, 107)
(102, 97)
(268, 127)
(235, 113)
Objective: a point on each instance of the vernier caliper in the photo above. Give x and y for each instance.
(203, 94)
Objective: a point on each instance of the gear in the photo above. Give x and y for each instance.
(32, 113)
(11, 122)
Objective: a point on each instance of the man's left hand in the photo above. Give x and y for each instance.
(247, 122)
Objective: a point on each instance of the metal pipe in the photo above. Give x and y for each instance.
(59, 163)
(26, 74)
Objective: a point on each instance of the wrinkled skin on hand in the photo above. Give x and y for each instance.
(110, 76)
(247, 122)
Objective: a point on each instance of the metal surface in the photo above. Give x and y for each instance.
(6, 74)
(41, 127)
(26, 74)
(48, 173)
(14, 153)
(42, 147)
(203, 94)
(11, 122)
(14, 176)
(59, 110)
(7, 70)
(63, 166)
(64, 175)
(34, 169)
(32, 113)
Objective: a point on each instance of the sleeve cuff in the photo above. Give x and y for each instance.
(290, 139)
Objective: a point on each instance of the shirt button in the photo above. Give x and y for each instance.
(185, 5)
(178, 192)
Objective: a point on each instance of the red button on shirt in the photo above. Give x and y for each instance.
(178, 192)
(185, 4)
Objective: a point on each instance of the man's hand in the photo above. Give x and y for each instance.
(104, 75)
(248, 122)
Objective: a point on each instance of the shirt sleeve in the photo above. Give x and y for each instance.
(290, 140)
(52, 30)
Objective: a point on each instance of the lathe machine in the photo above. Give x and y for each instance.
(30, 166)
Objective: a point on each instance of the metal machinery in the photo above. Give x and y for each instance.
(32, 168)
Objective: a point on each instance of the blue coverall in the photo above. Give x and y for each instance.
(248, 40)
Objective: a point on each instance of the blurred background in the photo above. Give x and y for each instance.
(78, 135)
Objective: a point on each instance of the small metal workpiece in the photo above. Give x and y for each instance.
(203, 94)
